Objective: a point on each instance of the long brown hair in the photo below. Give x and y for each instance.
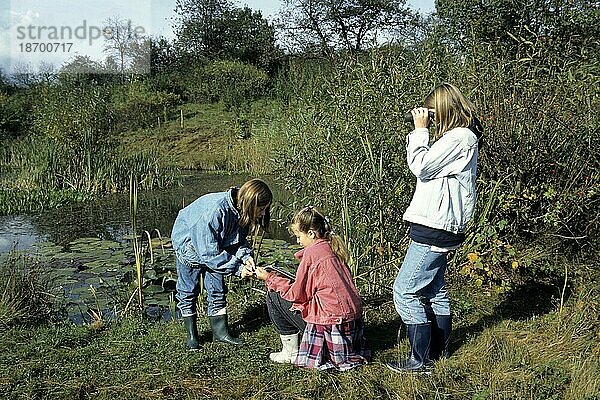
(254, 194)
(311, 218)
(452, 109)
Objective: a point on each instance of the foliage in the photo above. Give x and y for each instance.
(17, 201)
(344, 137)
(138, 105)
(77, 116)
(83, 71)
(556, 23)
(327, 26)
(232, 82)
(540, 111)
(539, 173)
(216, 30)
(162, 55)
(15, 113)
(40, 173)
(23, 294)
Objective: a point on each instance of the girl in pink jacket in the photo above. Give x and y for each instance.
(321, 304)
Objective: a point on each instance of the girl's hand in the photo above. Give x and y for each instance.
(250, 263)
(246, 271)
(248, 268)
(261, 273)
(421, 117)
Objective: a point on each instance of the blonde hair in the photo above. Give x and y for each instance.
(452, 109)
(311, 218)
(254, 194)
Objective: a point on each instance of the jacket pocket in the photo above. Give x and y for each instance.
(189, 255)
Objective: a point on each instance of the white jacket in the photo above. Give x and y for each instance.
(446, 173)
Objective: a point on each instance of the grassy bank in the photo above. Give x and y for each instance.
(511, 346)
(212, 138)
(528, 342)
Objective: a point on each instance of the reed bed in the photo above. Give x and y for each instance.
(43, 174)
(538, 174)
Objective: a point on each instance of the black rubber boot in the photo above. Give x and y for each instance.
(419, 337)
(440, 336)
(220, 331)
(192, 342)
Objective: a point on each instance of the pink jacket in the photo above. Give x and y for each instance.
(323, 290)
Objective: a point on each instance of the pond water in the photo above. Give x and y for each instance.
(109, 218)
(86, 250)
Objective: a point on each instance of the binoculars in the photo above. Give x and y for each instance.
(409, 118)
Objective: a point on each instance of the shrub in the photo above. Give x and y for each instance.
(539, 179)
(137, 105)
(234, 83)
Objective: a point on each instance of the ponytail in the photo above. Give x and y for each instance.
(338, 247)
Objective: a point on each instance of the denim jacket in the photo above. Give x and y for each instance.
(207, 232)
(323, 290)
(446, 172)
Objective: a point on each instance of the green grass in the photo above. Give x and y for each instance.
(537, 353)
(209, 139)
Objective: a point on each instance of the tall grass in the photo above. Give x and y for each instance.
(538, 174)
(23, 291)
(42, 173)
(344, 137)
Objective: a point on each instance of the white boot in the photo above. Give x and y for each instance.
(290, 349)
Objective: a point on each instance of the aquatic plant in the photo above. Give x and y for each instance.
(137, 247)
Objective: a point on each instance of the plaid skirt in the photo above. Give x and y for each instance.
(340, 347)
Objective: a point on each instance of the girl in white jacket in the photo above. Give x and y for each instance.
(441, 207)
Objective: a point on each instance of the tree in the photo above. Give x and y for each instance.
(558, 23)
(82, 70)
(328, 25)
(162, 55)
(216, 30)
(123, 42)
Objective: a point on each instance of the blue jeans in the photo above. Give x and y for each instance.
(420, 285)
(188, 288)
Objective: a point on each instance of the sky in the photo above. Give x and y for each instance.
(54, 31)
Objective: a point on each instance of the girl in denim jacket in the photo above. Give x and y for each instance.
(321, 304)
(209, 238)
(441, 207)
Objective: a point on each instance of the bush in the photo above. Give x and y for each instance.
(539, 179)
(137, 105)
(539, 173)
(234, 83)
(78, 116)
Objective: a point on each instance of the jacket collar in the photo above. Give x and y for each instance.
(300, 253)
(230, 203)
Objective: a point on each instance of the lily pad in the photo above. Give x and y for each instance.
(150, 274)
(153, 289)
